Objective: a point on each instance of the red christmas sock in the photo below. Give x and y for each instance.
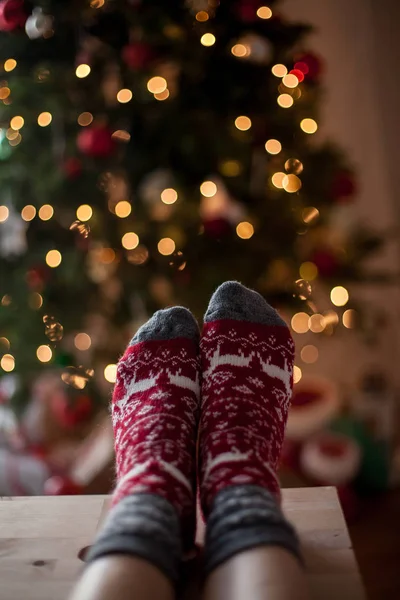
(154, 410)
(247, 364)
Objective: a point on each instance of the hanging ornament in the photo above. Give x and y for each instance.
(137, 55)
(344, 187)
(12, 15)
(258, 48)
(96, 141)
(39, 25)
(13, 235)
(310, 65)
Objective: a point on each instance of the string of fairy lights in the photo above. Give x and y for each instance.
(289, 90)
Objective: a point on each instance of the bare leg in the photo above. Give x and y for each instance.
(121, 577)
(265, 573)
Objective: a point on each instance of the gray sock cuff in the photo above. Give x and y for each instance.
(143, 525)
(243, 517)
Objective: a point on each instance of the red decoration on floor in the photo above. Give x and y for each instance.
(61, 486)
(96, 141)
(247, 384)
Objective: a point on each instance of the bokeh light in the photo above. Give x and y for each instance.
(291, 183)
(273, 146)
(309, 126)
(7, 363)
(46, 212)
(277, 179)
(300, 322)
(84, 212)
(245, 230)
(279, 70)
(82, 71)
(317, 323)
(309, 354)
(82, 341)
(339, 295)
(53, 258)
(10, 64)
(208, 189)
(297, 374)
(207, 39)
(156, 85)
(123, 209)
(110, 373)
(285, 100)
(4, 213)
(169, 196)
(44, 119)
(130, 240)
(17, 123)
(166, 246)
(243, 123)
(264, 12)
(308, 270)
(44, 353)
(349, 318)
(124, 96)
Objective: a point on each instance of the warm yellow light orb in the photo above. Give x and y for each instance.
(82, 341)
(82, 71)
(279, 70)
(130, 240)
(10, 64)
(207, 39)
(339, 295)
(309, 354)
(110, 373)
(17, 123)
(299, 322)
(162, 95)
(285, 100)
(317, 323)
(240, 50)
(202, 16)
(291, 183)
(85, 119)
(309, 126)
(84, 212)
(349, 317)
(53, 258)
(44, 119)
(46, 212)
(123, 209)
(208, 189)
(245, 230)
(273, 146)
(166, 246)
(290, 80)
(277, 179)
(308, 271)
(243, 123)
(4, 213)
(44, 353)
(7, 363)
(35, 301)
(297, 374)
(124, 96)
(169, 196)
(310, 214)
(156, 85)
(264, 12)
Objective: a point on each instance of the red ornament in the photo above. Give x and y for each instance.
(309, 64)
(247, 10)
(96, 141)
(299, 74)
(343, 187)
(61, 486)
(137, 55)
(70, 413)
(72, 167)
(326, 262)
(12, 15)
(37, 277)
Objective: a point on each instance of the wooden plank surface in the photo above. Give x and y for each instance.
(40, 540)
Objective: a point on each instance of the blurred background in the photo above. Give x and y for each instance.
(149, 152)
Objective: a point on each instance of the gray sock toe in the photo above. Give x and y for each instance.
(232, 300)
(167, 324)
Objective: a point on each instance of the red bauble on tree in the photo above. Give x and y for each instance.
(12, 15)
(137, 55)
(217, 228)
(310, 64)
(72, 167)
(96, 141)
(343, 187)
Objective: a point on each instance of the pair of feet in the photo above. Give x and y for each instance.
(226, 391)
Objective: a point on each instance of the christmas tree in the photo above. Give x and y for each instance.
(150, 151)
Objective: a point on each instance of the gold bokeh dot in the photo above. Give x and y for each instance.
(273, 146)
(46, 212)
(166, 246)
(207, 39)
(156, 85)
(82, 341)
(44, 353)
(130, 240)
(7, 363)
(44, 119)
(123, 209)
(202, 16)
(240, 50)
(82, 71)
(309, 125)
(245, 230)
(310, 214)
(10, 64)
(17, 123)
(264, 12)
(285, 100)
(348, 318)
(243, 123)
(4, 93)
(4, 343)
(297, 374)
(84, 212)
(291, 183)
(110, 373)
(300, 322)
(4, 212)
(53, 258)
(290, 80)
(309, 354)
(308, 271)
(35, 301)
(85, 119)
(277, 179)
(339, 295)
(208, 189)
(279, 70)
(169, 196)
(162, 95)
(317, 323)
(124, 96)
(230, 168)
